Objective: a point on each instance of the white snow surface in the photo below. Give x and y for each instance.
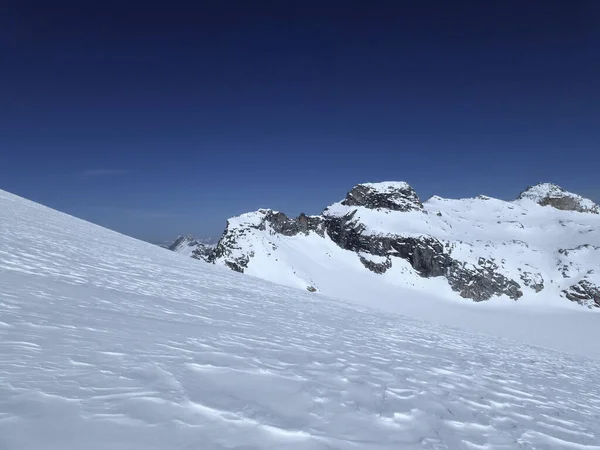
(387, 186)
(107, 342)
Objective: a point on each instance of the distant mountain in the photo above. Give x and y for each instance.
(542, 247)
(192, 247)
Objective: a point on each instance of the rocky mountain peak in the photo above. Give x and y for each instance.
(396, 196)
(549, 194)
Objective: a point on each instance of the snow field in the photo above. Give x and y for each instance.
(108, 342)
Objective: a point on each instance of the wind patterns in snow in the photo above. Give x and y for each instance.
(107, 342)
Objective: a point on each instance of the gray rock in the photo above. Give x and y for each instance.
(282, 224)
(427, 256)
(548, 194)
(481, 283)
(233, 254)
(585, 293)
(395, 196)
(534, 281)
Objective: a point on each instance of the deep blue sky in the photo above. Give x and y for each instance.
(156, 119)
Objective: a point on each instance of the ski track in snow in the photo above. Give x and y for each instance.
(110, 343)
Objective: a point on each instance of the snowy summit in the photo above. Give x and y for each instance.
(548, 194)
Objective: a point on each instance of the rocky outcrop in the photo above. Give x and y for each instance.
(427, 257)
(481, 282)
(191, 246)
(375, 266)
(533, 280)
(548, 194)
(278, 222)
(395, 196)
(230, 249)
(585, 293)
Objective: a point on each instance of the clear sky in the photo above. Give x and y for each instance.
(165, 118)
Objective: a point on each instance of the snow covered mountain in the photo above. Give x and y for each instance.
(543, 247)
(107, 342)
(192, 247)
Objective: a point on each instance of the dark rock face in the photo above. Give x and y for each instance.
(395, 196)
(585, 293)
(282, 224)
(375, 267)
(564, 203)
(203, 251)
(230, 251)
(534, 281)
(427, 256)
(482, 282)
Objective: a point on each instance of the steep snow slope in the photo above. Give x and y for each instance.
(110, 343)
(382, 238)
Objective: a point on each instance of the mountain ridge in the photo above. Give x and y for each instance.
(483, 247)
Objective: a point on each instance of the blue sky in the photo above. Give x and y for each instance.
(157, 119)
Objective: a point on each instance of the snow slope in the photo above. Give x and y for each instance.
(111, 343)
(544, 249)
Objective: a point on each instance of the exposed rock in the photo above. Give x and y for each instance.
(191, 246)
(311, 289)
(230, 251)
(481, 283)
(377, 267)
(533, 280)
(395, 196)
(579, 248)
(548, 194)
(585, 293)
(427, 256)
(280, 223)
